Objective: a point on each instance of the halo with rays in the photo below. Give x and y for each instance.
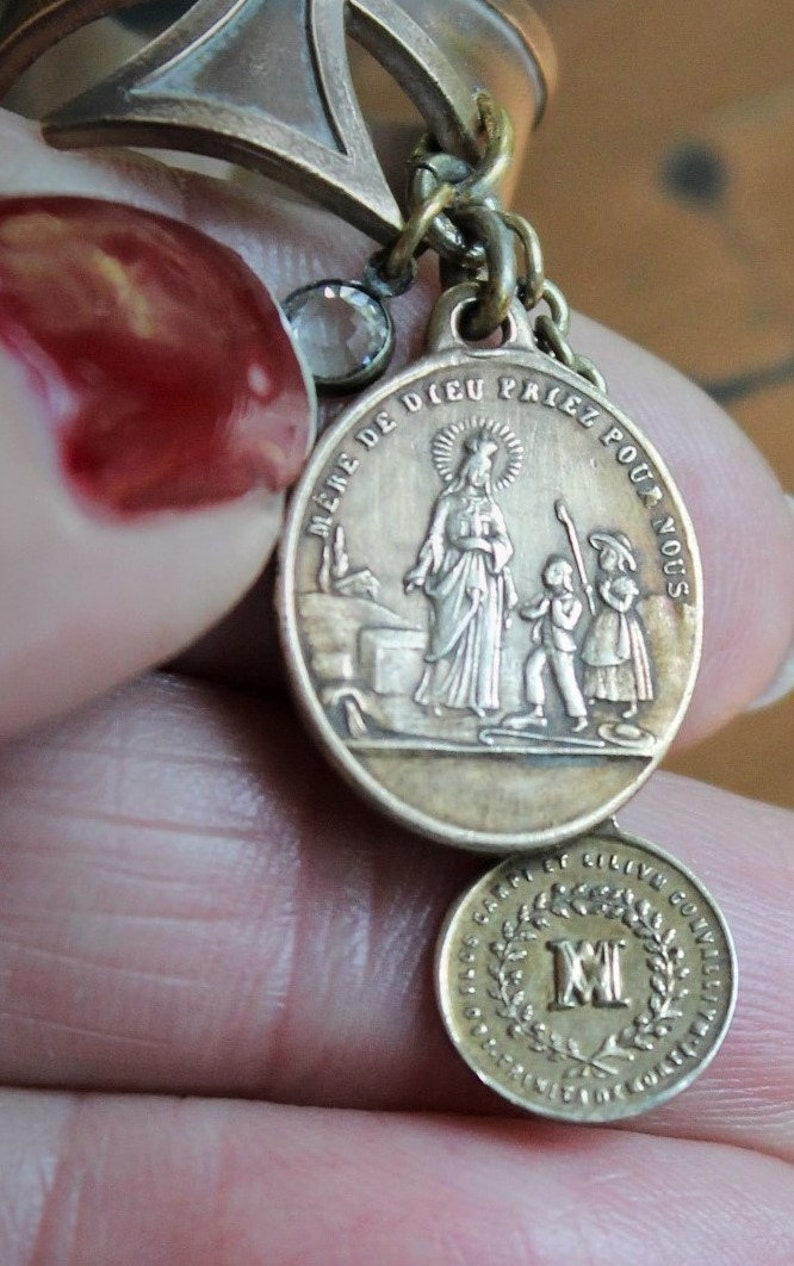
(446, 445)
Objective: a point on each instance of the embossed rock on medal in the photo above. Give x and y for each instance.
(490, 595)
(590, 983)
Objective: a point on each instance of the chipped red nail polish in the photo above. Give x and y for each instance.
(165, 371)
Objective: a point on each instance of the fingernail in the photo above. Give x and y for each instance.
(165, 373)
(783, 682)
(782, 685)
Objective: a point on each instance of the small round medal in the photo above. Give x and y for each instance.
(589, 984)
(490, 596)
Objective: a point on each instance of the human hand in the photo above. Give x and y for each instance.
(217, 1027)
(536, 608)
(414, 579)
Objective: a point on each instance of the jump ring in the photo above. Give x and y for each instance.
(499, 149)
(558, 307)
(532, 281)
(551, 339)
(415, 230)
(585, 367)
(498, 288)
(429, 171)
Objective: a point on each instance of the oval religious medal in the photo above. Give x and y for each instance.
(490, 596)
(588, 984)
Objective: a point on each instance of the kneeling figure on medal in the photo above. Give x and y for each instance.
(555, 613)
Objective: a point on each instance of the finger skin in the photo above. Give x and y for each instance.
(89, 599)
(743, 524)
(115, 1182)
(88, 602)
(191, 902)
(100, 980)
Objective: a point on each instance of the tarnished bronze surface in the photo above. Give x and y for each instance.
(490, 596)
(266, 84)
(588, 984)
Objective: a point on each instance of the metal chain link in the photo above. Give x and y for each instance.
(454, 209)
(533, 278)
(551, 331)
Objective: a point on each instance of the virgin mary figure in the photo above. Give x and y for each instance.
(462, 567)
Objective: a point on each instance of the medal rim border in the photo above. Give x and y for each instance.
(451, 356)
(629, 1109)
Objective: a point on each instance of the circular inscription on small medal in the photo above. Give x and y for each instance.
(490, 600)
(587, 985)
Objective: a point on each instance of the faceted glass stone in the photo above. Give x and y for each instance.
(345, 333)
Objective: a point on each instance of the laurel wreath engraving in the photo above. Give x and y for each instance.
(663, 959)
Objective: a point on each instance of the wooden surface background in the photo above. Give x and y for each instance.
(678, 119)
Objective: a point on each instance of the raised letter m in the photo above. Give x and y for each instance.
(586, 973)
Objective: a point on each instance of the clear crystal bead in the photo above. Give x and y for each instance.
(345, 333)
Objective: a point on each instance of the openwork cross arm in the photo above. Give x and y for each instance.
(267, 84)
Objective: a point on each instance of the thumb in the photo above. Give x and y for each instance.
(152, 409)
